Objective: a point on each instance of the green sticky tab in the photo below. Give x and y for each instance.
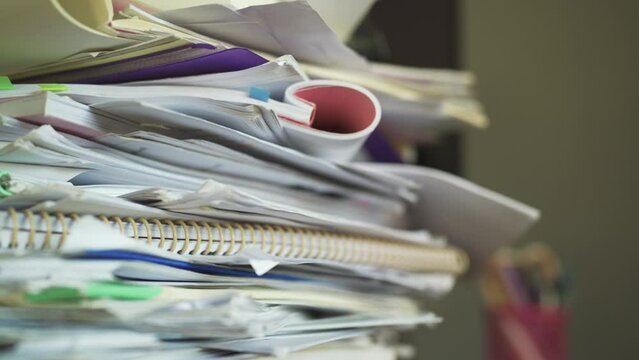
(53, 87)
(5, 83)
(4, 193)
(121, 291)
(5, 184)
(54, 294)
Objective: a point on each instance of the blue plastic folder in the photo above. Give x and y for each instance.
(184, 265)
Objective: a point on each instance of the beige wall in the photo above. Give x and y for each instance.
(560, 81)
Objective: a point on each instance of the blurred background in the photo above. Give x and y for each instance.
(560, 83)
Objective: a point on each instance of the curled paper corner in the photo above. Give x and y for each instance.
(212, 186)
(215, 191)
(260, 261)
(262, 266)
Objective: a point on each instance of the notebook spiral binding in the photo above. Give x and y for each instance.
(275, 240)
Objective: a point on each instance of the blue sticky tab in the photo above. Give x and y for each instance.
(259, 94)
(5, 83)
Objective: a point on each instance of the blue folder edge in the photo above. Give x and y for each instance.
(184, 265)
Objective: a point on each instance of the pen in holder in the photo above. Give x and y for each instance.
(524, 292)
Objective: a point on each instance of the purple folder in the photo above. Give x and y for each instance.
(184, 61)
(380, 150)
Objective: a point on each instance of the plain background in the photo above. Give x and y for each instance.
(560, 82)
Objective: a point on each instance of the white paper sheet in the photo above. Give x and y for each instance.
(67, 199)
(193, 156)
(14, 267)
(215, 196)
(34, 32)
(362, 321)
(282, 28)
(43, 107)
(52, 343)
(154, 116)
(470, 216)
(40, 173)
(274, 76)
(186, 99)
(281, 345)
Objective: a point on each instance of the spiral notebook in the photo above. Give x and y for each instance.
(195, 239)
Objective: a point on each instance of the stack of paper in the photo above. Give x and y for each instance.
(183, 45)
(416, 101)
(208, 207)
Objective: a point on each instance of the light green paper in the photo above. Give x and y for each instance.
(5, 83)
(54, 294)
(94, 290)
(5, 183)
(53, 87)
(121, 291)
